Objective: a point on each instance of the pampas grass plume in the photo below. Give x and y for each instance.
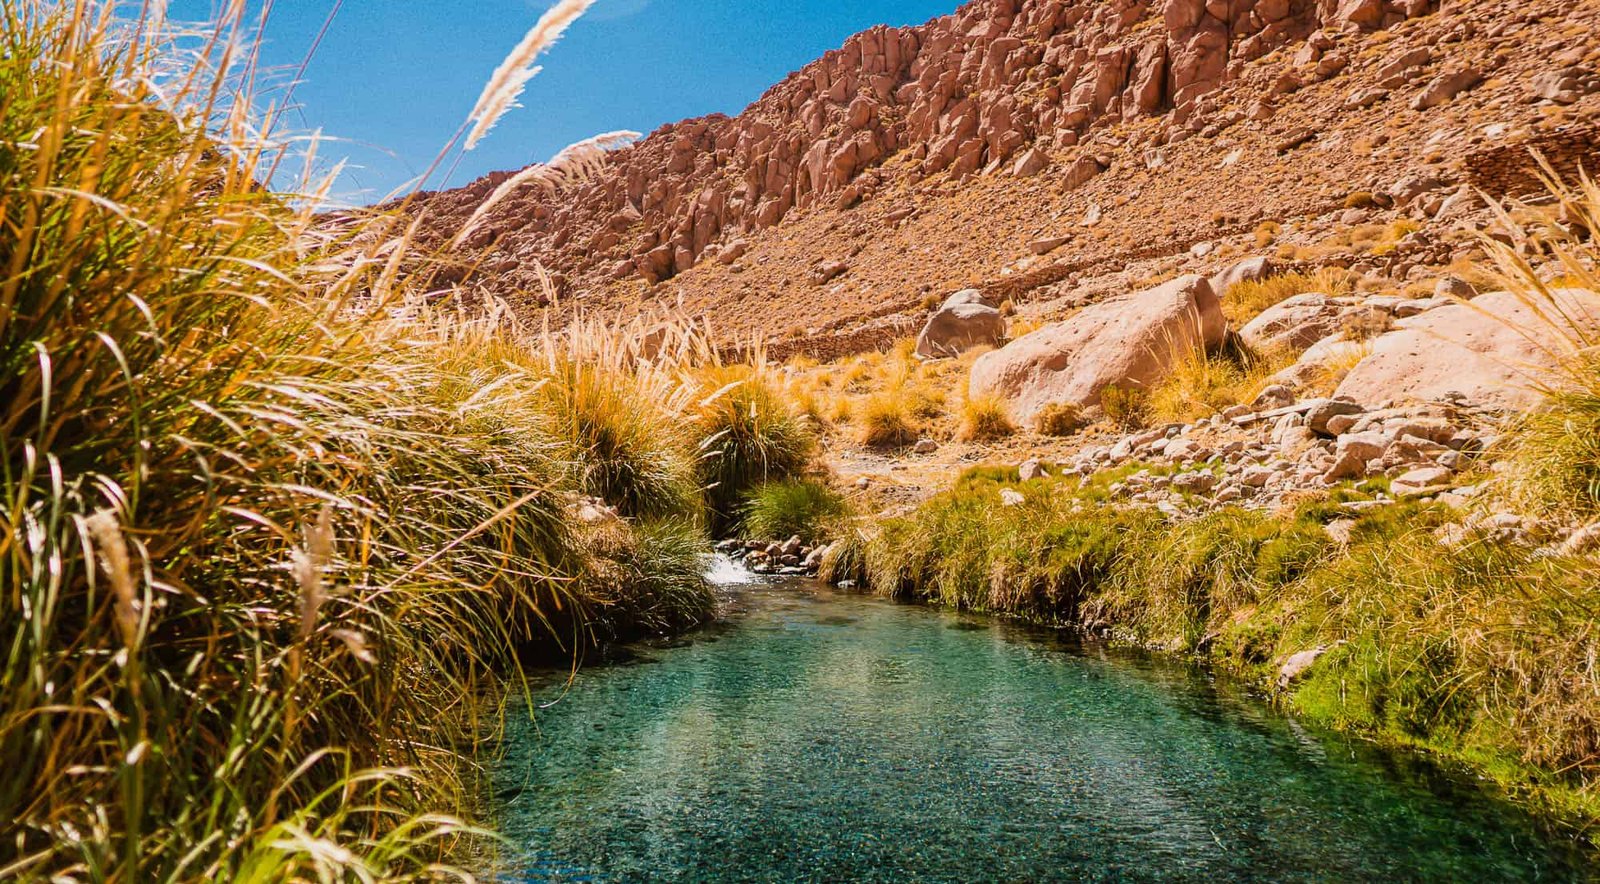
(500, 94)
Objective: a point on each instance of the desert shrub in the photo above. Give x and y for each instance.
(1266, 233)
(924, 401)
(1360, 199)
(1126, 407)
(805, 507)
(884, 421)
(1059, 419)
(746, 436)
(984, 419)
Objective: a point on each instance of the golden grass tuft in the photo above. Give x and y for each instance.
(1245, 301)
(984, 419)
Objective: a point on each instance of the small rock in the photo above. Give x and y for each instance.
(1030, 470)
(1324, 410)
(1009, 497)
(1296, 666)
(1196, 482)
(1583, 541)
(1445, 87)
(1352, 453)
(925, 446)
(1450, 286)
(1340, 530)
(1418, 480)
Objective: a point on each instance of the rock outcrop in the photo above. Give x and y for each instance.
(1130, 342)
(1498, 351)
(964, 321)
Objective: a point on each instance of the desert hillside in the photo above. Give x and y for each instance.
(1053, 152)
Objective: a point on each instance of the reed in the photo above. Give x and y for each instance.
(276, 532)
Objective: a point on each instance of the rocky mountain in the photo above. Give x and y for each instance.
(1051, 151)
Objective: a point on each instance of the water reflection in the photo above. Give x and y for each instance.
(829, 737)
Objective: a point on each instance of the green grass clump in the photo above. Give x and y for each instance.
(1477, 651)
(807, 508)
(747, 436)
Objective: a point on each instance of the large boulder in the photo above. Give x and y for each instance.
(1249, 270)
(962, 322)
(1295, 323)
(1128, 342)
(1497, 352)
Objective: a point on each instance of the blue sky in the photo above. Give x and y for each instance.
(393, 79)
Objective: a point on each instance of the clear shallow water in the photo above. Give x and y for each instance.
(828, 737)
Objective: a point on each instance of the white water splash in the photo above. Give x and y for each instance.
(723, 571)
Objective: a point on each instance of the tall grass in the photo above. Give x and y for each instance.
(275, 535)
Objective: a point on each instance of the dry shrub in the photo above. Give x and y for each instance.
(984, 419)
(1059, 419)
(885, 421)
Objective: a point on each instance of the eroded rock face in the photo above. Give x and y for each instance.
(1494, 353)
(994, 86)
(1128, 342)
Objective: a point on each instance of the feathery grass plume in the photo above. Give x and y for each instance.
(112, 549)
(500, 94)
(575, 163)
(193, 363)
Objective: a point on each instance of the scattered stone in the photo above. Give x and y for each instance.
(955, 328)
(827, 271)
(1351, 453)
(1030, 470)
(1583, 541)
(925, 446)
(1450, 286)
(1340, 530)
(1047, 244)
(1565, 86)
(1445, 87)
(1321, 413)
(1419, 480)
(1009, 497)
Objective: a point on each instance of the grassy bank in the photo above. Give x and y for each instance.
(1482, 652)
(1398, 620)
(277, 515)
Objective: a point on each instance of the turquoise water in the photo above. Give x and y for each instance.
(827, 737)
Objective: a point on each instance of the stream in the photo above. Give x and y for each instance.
(815, 735)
